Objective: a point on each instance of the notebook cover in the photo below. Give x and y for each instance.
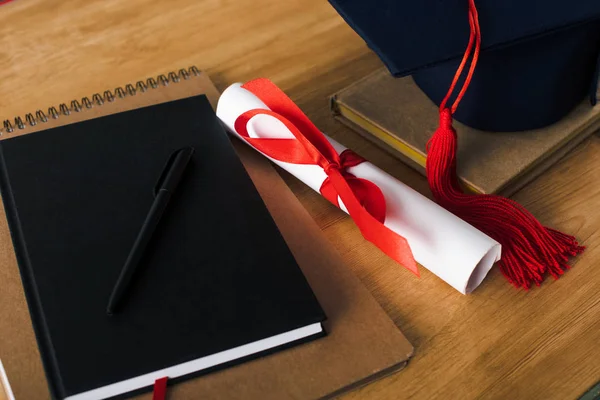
(395, 114)
(322, 368)
(216, 275)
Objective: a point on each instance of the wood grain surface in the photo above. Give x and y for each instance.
(499, 343)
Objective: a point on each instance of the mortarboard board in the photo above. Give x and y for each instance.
(538, 59)
(527, 63)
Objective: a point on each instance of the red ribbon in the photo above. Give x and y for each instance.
(363, 199)
(368, 194)
(160, 389)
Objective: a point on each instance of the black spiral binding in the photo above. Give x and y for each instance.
(98, 99)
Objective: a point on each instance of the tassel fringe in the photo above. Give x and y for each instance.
(529, 249)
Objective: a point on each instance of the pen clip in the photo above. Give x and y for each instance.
(167, 168)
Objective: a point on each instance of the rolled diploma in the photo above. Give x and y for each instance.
(441, 242)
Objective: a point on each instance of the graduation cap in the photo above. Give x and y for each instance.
(526, 64)
(538, 60)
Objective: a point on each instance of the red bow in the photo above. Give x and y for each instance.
(368, 194)
(363, 199)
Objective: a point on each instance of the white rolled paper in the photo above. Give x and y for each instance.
(441, 242)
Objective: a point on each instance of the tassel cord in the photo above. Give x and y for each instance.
(529, 248)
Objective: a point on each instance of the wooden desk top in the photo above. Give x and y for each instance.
(498, 343)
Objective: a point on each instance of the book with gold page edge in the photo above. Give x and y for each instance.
(396, 115)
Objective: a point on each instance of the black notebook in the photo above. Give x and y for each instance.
(217, 284)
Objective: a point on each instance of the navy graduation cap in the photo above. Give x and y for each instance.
(539, 57)
(526, 64)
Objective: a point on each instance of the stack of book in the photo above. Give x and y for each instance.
(395, 114)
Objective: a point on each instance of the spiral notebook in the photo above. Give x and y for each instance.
(207, 293)
(321, 368)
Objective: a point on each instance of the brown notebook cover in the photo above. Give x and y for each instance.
(395, 114)
(363, 344)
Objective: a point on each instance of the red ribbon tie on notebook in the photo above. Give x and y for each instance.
(362, 198)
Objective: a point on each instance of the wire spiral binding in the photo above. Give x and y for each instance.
(97, 99)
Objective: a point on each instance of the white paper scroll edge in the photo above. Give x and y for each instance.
(441, 242)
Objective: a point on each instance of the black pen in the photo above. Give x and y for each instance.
(166, 185)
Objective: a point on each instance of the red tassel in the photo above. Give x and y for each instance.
(529, 249)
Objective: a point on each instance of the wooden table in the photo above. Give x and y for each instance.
(499, 343)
